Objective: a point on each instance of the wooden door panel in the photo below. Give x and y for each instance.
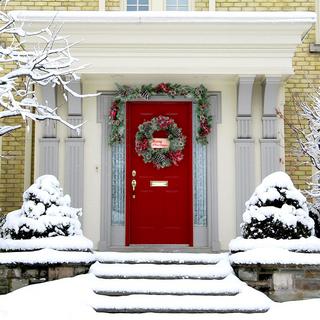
(159, 215)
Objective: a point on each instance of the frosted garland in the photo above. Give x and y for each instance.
(118, 184)
(200, 178)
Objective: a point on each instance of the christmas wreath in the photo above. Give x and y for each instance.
(160, 157)
(125, 93)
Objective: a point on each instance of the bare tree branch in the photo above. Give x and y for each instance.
(49, 63)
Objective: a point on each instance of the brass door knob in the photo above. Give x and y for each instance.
(133, 184)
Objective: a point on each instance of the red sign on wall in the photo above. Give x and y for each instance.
(160, 143)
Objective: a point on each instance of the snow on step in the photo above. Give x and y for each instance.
(230, 285)
(249, 300)
(159, 257)
(156, 271)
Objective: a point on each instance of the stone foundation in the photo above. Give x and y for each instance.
(282, 282)
(13, 277)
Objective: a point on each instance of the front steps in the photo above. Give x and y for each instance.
(171, 283)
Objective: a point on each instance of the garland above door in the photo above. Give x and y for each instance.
(126, 93)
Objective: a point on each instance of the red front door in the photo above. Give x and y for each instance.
(158, 214)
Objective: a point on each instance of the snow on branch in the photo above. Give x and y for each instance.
(308, 137)
(49, 63)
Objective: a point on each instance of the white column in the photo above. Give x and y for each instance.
(244, 147)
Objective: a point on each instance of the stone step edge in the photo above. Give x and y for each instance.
(129, 293)
(164, 310)
(158, 277)
(158, 262)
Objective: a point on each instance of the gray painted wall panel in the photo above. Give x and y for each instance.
(245, 182)
(270, 155)
(75, 120)
(244, 129)
(49, 156)
(74, 170)
(75, 103)
(245, 85)
(49, 127)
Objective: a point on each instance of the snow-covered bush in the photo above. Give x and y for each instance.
(45, 212)
(315, 215)
(277, 210)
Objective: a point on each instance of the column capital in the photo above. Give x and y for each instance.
(245, 89)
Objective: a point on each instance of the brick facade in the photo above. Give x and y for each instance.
(306, 65)
(202, 5)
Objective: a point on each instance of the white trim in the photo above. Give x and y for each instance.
(102, 5)
(212, 5)
(179, 17)
(185, 42)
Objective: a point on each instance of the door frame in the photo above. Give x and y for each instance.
(112, 237)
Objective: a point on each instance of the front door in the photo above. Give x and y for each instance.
(159, 201)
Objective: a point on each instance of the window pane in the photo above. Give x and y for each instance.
(183, 3)
(182, 8)
(143, 2)
(171, 3)
(131, 8)
(132, 2)
(143, 8)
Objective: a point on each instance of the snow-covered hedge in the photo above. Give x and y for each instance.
(45, 212)
(277, 210)
(315, 215)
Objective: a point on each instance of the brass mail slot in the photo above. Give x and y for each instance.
(158, 183)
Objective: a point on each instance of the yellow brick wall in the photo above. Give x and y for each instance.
(58, 5)
(265, 5)
(113, 5)
(202, 5)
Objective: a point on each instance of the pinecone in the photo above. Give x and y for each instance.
(159, 159)
(145, 94)
(175, 131)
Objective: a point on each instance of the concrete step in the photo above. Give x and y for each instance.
(248, 301)
(229, 286)
(156, 271)
(159, 257)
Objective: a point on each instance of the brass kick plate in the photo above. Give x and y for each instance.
(159, 183)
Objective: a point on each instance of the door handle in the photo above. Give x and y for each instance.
(133, 184)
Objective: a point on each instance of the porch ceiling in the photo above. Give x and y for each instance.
(208, 43)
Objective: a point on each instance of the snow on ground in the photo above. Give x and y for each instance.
(274, 256)
(311, 244)
(71, 298)
(58, 243)
(46, 256)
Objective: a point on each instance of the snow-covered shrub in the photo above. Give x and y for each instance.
(45, 212)
(315, 215)
(277, 210)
